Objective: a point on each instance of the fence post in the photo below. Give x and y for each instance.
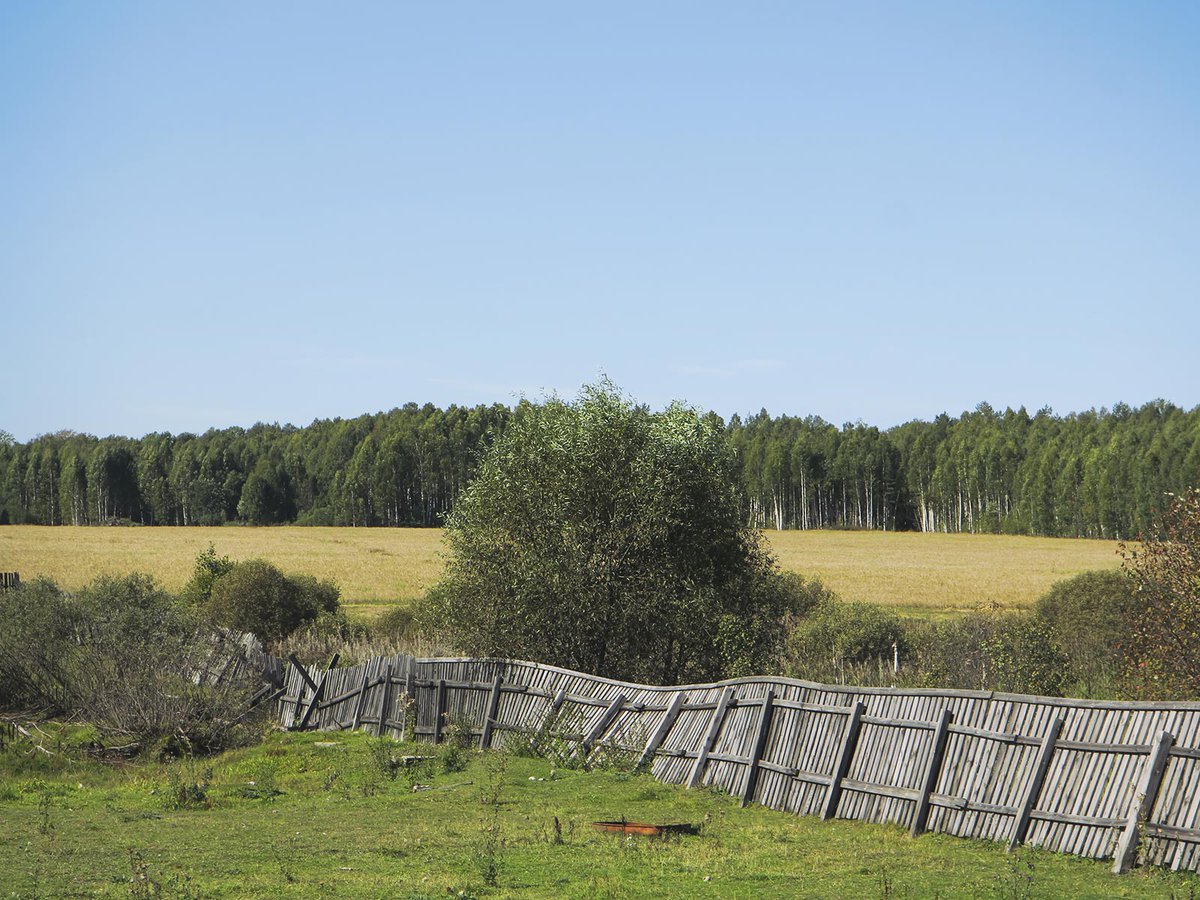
(845, 755)
(441, 711)
(1033, 790)
(306, 679)
(1143, 802)
(597, 731)
(710, 739)
(320, 689)
(760, 744)
(489, 717)
(932, 769)
(663, 729)
(385, 705)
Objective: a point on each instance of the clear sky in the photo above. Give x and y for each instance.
(214, 214)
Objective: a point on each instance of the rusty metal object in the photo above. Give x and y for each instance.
(645, 828)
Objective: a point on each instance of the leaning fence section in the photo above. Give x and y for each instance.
(1116, 781)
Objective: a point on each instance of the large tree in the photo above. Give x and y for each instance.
(601, 536)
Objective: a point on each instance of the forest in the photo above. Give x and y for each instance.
(1090, 474)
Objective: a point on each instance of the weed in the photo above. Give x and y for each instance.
(1018, 882)
(383, 752)
(887, 887)
(491, 846)
(140, 882)
(45, 802)
(453, 754)
(286, 854)
(187, 786)
(262, 784)
(180, 885)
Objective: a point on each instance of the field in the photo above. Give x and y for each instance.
(318, 815)
(917, 574)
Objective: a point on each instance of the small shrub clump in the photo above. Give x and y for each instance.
(257, 597)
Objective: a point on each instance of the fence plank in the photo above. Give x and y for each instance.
(760, 743)
(845, 756)
(548, 720)
(385, 703)
(1143, 802)
(714, 729)
(362, 696)
(1033, 790)
(440, 711)
(663, 729)
(933, 768)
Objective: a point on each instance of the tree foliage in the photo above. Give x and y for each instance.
(604, 537)
(1165, 568)
(1088, 474)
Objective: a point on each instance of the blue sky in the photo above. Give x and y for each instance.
(220, 213)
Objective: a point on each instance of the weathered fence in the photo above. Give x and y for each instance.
(1094, 779)
(10, 580)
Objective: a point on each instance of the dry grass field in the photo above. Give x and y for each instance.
(917, 574)
(938, 574)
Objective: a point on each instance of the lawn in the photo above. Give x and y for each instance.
(318, 815)
(917, 574)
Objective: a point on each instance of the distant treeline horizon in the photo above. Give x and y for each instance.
(1098, 474)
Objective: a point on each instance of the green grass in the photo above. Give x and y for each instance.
(322, 819)
(916, 574)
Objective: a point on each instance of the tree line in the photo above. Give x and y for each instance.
(1091, 474)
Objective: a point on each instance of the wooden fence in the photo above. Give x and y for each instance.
(1102, 780)
(10, 580)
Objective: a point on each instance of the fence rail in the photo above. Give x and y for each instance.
(10, 580)
(1102, 780)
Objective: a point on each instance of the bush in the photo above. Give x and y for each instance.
(836, 640)
(37, 640)
(209, 568)
(395, 624)
(122, 654)
(255, 596)
(1089, 617)
(985, 651)
(1164, 644)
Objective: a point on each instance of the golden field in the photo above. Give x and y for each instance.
(917, 574)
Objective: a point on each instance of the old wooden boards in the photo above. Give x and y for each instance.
(1101, 780)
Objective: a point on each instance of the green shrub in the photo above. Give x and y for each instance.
(257, 597)
(121, 652)
(990, 650)
(835, 636)
(209, 568)
(395, 624)
(37, 629)
(1090, 618)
